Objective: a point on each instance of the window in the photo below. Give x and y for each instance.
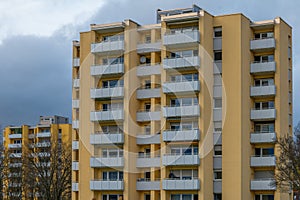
(112, 106)
(218, 103)
(217, 55)
(112, 175)
(147, 130)
(113, 61)
(183, 102)
(183, 126)
(112, 83)
(184, 54)
(264, 58)
(112, 197)
(263, 82)
(264, 197)
(265, 35)
(184, 174)
(218, 126)
(147, 84)
(147, 107)
(218, 150)
(113, 38)
(148, 39)
(147, 197)
(191, 150)
(218, 32)
(217, 175)
(261, 152)
(184, 78)
(106, 153)
(264, 105)
(264, 128)
(112, 129)
(217, 196)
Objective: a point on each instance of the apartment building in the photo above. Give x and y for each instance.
(187, 108)
(19, 140)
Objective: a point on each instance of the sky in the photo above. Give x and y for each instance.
(36, 43)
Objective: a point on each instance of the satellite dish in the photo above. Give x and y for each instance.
(143, 59)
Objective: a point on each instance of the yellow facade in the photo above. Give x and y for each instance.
(188, 108)
(17, 140)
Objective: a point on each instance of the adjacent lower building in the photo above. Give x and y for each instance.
(19, 141)
(187, 108)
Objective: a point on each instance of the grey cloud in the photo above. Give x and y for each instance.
(35, 79)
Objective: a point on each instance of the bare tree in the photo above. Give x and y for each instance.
(287, 176)
(50, 171)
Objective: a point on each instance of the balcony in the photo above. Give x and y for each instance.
(75, 103)
(217, 186)
(146, 162)
(263, 91)
(172, 160)
(218, 138)
(14, 146)
(218, 43)
(217, 91)
(217, 162)
(183, 39)
(148, 70)
(146, 184)
(107, 185)
(260, 138)
(217, 114)
(75, 145)
(15, 136)
(112, 69)
(181, 184)
(103, 139)
(182, 111)
(263, 184)
(183, 135)
(15, 155)
(144, 116)
(148, 47)
(263, 161)
(110, 46)
(101, 162)
(43, 144)
(181, 87)
(75, 124)
(147, 139)
(75, 165)
(262, 44)
(31, 136)
(76, 83)
(111, 115)
(75, 187)
(43, 135)
(76, 62)
(107, 93)
(181, 63)
(266, 114)
(148, 93)
(262, 67)
(218, 67)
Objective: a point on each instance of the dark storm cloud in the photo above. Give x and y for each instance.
(35, 79)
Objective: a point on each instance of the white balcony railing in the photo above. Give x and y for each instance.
(181, 184)
(110, 115)
(107, 185)
(116, 92)
(181, 87)
(181, 63)
(101, 70)
(181, 135)
(181, 111)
